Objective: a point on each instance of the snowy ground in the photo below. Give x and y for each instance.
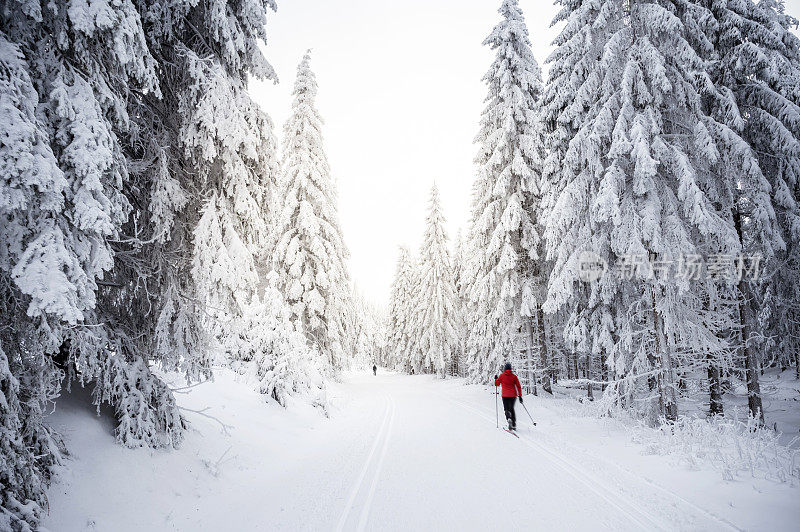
(398, 453)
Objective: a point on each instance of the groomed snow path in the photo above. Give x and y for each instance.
(398, 453)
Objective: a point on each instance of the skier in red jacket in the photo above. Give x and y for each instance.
(510, 390)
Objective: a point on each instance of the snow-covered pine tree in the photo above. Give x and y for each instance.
(434, 321)
(264, 346)
(413, 354)
(756, 68)
(220, 152)
(229, 140)
(574, 79)
(66, 74)
(397, 316)
(310, 254)
(98, 211)
(201, 145)
(458, 364)
(503, 236)
(223, 271)
(641, 184)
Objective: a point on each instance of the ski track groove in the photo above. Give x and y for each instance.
(618, 500)
(362, 522)
(357, 485)
(625, 471)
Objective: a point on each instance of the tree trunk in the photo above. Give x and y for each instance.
(529, 342)
(751, 369)
(575, 365)
(714, 388)
(589, 376)
(555, 360)
(666, 378)
(796, 365)
(568, 364)
(545, 363)
(747, 345)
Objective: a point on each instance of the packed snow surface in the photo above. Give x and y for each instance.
(398, 452)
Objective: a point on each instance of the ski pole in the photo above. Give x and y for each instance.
(496, 411)
(526, 411)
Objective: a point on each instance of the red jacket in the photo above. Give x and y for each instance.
(510, 382)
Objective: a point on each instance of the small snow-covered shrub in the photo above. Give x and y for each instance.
(264, 347)
(144, 405)
(727, 444)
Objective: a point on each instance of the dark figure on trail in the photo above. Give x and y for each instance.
(511, 389)
(374, 369)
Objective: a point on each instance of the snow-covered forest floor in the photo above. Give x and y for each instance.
(398, 452)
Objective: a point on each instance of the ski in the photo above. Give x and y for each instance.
(512, 432)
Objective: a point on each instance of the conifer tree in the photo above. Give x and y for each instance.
(310, 254)
(398, 313)
(503, 234)
(102, 189)
(66, 77)
(574, 77)
(756, 69)
(264, 347)
(461, 283)
(434, 323)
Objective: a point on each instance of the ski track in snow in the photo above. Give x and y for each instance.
(618, 500)
(631, 475)
(362, 521)
(647, 520)
(383, 433)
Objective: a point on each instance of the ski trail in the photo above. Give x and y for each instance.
(670, 493)
(362, 522)
(357, 486)
(637, 477)
(616, 500)
(592, 483)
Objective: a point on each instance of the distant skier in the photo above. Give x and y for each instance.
(374, 370)
(511, 389)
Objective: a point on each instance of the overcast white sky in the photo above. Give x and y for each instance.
(401, 94)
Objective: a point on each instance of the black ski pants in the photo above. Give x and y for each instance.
(508, 408)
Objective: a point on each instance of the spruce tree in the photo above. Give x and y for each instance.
(310, 253)
(398, 314)
(756, 69)
(574, 78)
(265, 348)
(66, 77)
(434, 322)
(461, 283)
(102, 189)
(503, 233)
